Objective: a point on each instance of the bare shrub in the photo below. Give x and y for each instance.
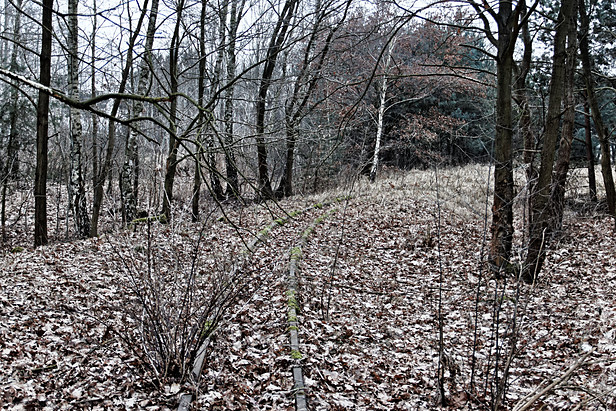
(179, 294)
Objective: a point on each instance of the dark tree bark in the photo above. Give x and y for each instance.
(509, 21)
(305, 84)
(42, 129)
(276, 41)
(95, 153)
(172, 157)
(522, 100)
(541, 210)
(99, 179)
(502, 209)
(205, 135)
(128, 177)
(11, 165)
(590, 155)
(207, 124)
(564, 149)
(233, 186)
(602, 133)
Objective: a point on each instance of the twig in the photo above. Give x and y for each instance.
(524, 404)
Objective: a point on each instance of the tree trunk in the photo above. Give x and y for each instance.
(275, 45)
(77, 189)
(602, 133)
(285, 189)
(42, 129)
(541, 210)
(95, 153)
(172, 157)
(130, 167)
(233, 187)
(11, 165)
(526, 127)
(564, 150)
(502, 208)
(205, 139)
(380, 119)
(216, 186)
(99, 179)
(305, 84)
(590, 155)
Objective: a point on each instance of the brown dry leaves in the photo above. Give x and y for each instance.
(369, 293)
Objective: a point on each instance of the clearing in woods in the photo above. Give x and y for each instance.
(373, 265)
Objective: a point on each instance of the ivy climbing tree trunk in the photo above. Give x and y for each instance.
(129, 169)
(77, 189)
(541, 208)
(42, 128)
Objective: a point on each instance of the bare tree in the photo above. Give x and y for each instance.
(174, 143)
(42, 128)
(77, 190)
(381, 111)
(128, 177)
(561, 168)
(590, 155)
(541, 196)
(11, 165)
(100, 178)
(277, 39)
(233, 187)
(509, 21)
(306, 83)
(606, 166)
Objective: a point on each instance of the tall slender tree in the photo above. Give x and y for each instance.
(541, 208)
(279, 35)
(174, 143)
(42, 127)
(521, 97)
(601, 129)
(509, 21)
(380, 121)
(309, 74)
(101, 177)
(590, 155)
(11, 164)
(77, 184)
(235, 16)
(128, 177)
(561, 169)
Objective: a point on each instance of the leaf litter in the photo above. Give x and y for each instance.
(368, 299)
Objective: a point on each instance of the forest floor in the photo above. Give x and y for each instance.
(376, 271)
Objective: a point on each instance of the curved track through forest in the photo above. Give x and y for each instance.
(337, 311)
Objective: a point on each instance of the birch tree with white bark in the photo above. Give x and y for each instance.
(77, 192)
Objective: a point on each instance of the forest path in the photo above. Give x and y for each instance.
(258, 351)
